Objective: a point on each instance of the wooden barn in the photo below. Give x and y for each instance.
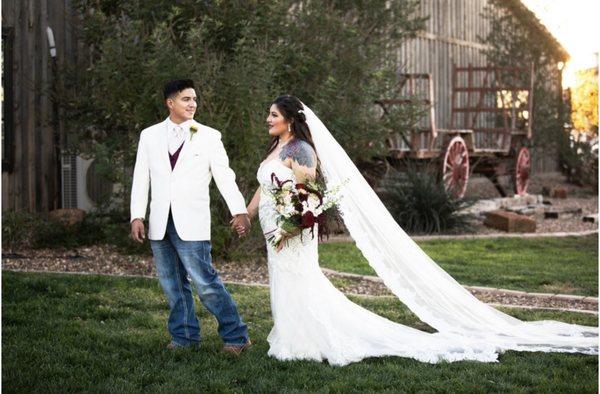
(455, 36)
(38, 36)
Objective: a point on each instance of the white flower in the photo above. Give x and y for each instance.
(313, 201)
(289, 210)
(280, 208)
(287, 199)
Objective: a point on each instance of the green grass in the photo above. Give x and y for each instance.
(71, 333)
(566, 265)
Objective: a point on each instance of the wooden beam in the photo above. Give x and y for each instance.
(453, 41)
(479, 109)
(491, 89)
(491, 68)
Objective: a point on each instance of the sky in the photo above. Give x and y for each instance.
(576, 25)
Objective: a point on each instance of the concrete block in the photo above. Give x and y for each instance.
(564, 212)
(559, 192)
(510, 222)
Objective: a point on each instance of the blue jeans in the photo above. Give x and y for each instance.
(175, 259)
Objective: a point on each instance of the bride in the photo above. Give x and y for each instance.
(313, 320)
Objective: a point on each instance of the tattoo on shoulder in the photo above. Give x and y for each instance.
(299, 151)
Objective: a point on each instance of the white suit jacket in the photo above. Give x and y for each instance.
(186, 188)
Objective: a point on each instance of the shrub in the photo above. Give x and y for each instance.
(16, 227)
(579, 160)
(27, 230)
(22, 230)
(420, 204)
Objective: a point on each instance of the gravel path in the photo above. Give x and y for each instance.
(588, 205)
(106, 260)
(578, 197)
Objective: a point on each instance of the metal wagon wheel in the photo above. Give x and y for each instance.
(455, 170)
(521, 170)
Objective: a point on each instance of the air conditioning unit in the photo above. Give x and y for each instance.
(69, 181)
(82, 187)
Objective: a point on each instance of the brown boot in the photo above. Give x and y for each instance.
(172, 346)
(236, 350)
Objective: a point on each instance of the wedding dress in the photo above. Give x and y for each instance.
(313, 320)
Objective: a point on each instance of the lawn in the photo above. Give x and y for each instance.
(566, 265)
(71, 333)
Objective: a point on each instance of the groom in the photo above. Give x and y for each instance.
(176, 160)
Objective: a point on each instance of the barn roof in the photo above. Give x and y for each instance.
(528, 17)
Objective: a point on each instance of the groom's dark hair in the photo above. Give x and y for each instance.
(176, 86)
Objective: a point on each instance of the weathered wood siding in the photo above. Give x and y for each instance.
(32, 183)
(451, 36)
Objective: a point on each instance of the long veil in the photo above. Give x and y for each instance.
(431, 293)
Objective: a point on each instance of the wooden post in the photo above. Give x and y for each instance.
(530, 101)
(453, 98)
(432, 111)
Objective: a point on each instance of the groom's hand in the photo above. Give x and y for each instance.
(138, 232)
(241, 224)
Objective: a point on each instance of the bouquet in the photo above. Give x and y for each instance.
(300, 206)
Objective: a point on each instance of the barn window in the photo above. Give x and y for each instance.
(7, 100)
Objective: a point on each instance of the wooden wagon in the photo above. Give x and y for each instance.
(490, 126)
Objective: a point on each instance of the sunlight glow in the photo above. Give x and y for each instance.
(575, 24)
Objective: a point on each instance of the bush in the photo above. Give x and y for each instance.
(579, 160)
(420, 204)
(16, 230)
(22, 230)
(27, 230)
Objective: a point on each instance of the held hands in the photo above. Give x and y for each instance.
(138, 233)
(241, 224)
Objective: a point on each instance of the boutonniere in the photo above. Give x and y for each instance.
(193, 130)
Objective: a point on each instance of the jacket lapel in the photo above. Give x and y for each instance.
(164, 143)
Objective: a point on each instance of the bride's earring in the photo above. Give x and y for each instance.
(289, 128)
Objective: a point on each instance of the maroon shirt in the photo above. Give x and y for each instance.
(173, 157)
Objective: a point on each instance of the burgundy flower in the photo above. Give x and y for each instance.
(302, 192)
(276, 180)
(308, 220)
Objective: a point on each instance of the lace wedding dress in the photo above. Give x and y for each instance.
(313, 320)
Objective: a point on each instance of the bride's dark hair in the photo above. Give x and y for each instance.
(292, 110)
(289, 106)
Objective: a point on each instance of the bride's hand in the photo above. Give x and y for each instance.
(281, 244)
(284, 239)
(286, 236)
